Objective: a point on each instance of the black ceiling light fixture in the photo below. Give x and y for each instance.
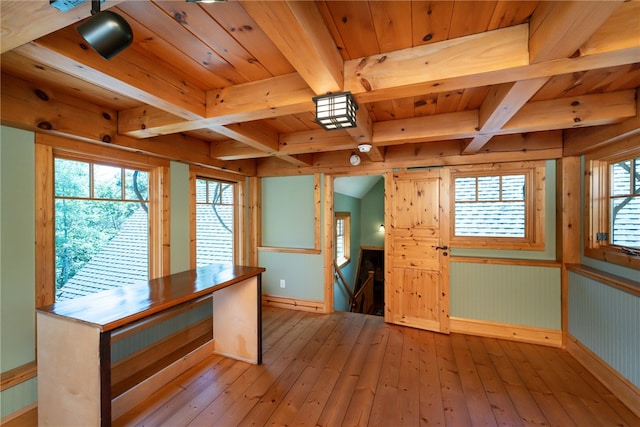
(336, 110)
(107, 32)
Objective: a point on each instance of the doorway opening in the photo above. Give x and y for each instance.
(358, 237)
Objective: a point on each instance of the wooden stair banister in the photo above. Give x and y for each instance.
(367, 287)
(340, 279)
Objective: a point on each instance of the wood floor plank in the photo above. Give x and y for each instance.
(331, 395)
(355, 370)
(478, 403)
(453, 399)
(337, 345)
(272, 392)
(576, 409)
(575, 388)
(499, 401)
(628, 417)
(384, 411)
(173, 394)
(407, 400)
(357, 411)
(431, 406)
(243, 394)
(551, 407)
(526, 405)
(196, 399)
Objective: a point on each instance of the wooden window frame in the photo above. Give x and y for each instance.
(534, 239)
(239, 220)
(596, 204)
(47, 148)
(346, 217)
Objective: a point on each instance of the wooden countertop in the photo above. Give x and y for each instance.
(118, 307)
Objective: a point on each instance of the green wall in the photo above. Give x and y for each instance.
(511, 294)
(344, 203)
(607, 321)
(604, 319)
(17, 258)
(179, 218)
(288, 210)
(372, 217)
(17, 263)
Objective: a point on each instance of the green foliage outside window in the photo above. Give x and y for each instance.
(92, 202)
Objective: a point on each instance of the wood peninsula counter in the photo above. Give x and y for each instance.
(74, 337)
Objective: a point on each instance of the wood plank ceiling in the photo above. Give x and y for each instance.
(230, 84)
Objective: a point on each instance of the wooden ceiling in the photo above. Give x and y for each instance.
(231, 84)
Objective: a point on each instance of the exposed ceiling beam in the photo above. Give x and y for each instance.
(290, 94)
(581, 141)
(363, 132)
(500, 105)
(438, 127)
(573, 112)
(252, 135)
(234, 150)
(558, 29)
(274, 97)
(126, 74)
(301, 160)
(539, 146)
(376, 154)
(298, 31)
(399, 74)
(23, 21)
(580, 111)
(501, 49)
(315, 141)
(40, 109)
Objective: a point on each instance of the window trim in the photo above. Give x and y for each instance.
(534, 172)
(596, 204)
(346, 217)
(239, 219)
(47, 148)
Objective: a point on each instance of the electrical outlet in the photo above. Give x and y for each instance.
(282, 283)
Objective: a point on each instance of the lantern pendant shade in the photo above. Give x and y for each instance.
(107, 32)
(336, 111)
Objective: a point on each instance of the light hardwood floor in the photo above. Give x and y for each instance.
(353, 369)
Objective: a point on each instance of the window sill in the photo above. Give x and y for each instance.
(341, 262)
(614, 256)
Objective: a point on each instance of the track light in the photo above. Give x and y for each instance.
(107, 32)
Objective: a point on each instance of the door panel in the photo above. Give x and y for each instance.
(417, 285)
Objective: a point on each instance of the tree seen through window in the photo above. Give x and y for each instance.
(101, 227)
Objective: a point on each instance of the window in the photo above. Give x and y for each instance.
(612, 191)
(217, 220)
(343, 240)
(215, 211)
(624, 202)
(500, 207)
(101, 222)
(101, 227)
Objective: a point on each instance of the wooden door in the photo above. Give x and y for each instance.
(417, 276)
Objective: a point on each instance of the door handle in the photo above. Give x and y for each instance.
(444, 248)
